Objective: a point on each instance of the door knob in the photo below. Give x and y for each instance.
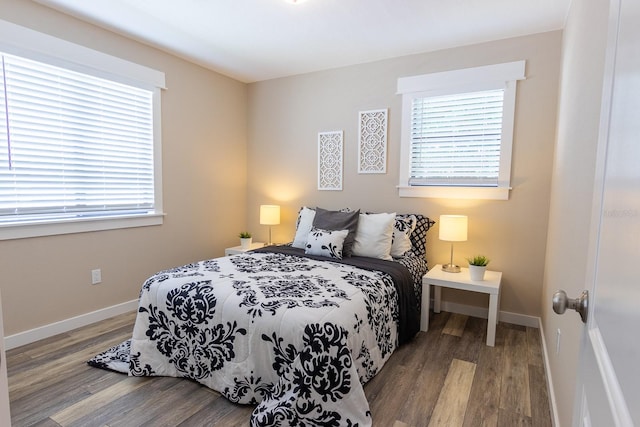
(580, 304)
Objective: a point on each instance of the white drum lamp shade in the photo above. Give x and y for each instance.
(269, 215)
(453, 228)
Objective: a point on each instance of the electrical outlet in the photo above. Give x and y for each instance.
(558, 335)
(96, 276)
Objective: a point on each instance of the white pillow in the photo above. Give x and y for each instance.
(303, 227)
(374, 235)
(402, 229)
(325, 242)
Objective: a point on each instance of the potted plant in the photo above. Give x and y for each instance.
(245, 239)
(477, 267)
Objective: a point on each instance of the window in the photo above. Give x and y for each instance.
(79, 147)
(457, 132)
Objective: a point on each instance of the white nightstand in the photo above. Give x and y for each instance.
(239, 250)
(439, 278)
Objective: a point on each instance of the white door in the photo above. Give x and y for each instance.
(5, 419)
(609, 375)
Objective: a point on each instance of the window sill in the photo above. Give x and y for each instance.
(77, 225)
(476, 193)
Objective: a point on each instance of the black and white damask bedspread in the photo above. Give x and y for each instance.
(294, 335)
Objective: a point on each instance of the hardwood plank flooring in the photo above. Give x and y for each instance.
(446, 376)
(453, 399)
(515, 381)
(455, 325)
(484, 399)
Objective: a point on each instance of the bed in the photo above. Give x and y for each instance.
(295, 329)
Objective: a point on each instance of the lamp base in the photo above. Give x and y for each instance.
(451, 268)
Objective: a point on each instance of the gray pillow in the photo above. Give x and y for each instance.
(336, 220)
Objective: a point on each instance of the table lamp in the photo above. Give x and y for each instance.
(269, 215)
(453, 228)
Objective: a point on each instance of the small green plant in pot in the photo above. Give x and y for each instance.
(245, 239)
(477, 267)
(479, 260)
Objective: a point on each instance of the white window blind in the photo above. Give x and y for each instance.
(457, 132)
(456, 139)
(72, 144)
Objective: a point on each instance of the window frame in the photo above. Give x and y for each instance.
(27, 43)
(498, 76)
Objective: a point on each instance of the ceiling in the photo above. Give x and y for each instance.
(253, 40)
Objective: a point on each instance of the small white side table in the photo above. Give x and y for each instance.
(439, 278)
(239, 250)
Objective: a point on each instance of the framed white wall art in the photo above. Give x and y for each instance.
(372, 141)
(330, 160)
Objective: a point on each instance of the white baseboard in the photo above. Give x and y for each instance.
(553, 404)
(46, 331)
(482, 312)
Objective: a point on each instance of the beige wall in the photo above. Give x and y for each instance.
(217, 163)
(209, 191)
(47, 279)
(584, 42)
(286, 114)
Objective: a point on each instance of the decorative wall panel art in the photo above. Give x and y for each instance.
(330, 160)
(372, 141)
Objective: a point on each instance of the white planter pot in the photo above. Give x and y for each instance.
(245, 243)
(477, 272)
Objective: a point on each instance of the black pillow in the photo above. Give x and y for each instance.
(337, 220)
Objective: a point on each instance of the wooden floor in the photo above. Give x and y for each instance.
(444, 377)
